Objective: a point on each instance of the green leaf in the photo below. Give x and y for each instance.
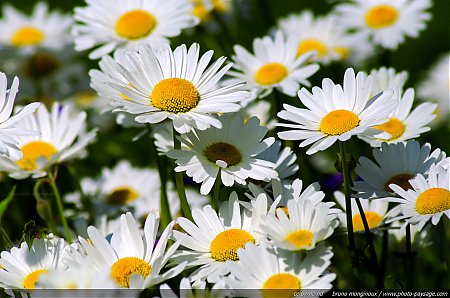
(4, 204)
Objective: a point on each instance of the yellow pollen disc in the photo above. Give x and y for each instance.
(271, 73)
(34, 150)
(309, 45)
(433, 200)
(401, 180)
(381, 16)
(30, 281)
(285, 284)
(223, 151)
(123, 268)
(343, 52)
(225, 245)
(175, 96)
(135, 24)
(300, 238)
(373, 220)
(394, 127)
(27, 36)
(122, 195)
(338, 122)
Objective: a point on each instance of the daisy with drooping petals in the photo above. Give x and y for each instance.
(110, 24)
(134, 260)
(375, 212)
(232, 150)
(301, 225)
(173, 85)
(23, 266)
(404, 124)
(213, 239)
(62, 137)
(337, 113)
(386, 23)
(279, 273)
(9, 145)
(428, 199)
(274, 65)
(42, 29)
(395, 164)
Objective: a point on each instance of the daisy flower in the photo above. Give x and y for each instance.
(436, 86)
(213, 239)
(62, 137)
(9, 145)
(108, 25)
(42, 29)
(189, 291)
(301, 225)
(232, 150)
(336, 113)
(23, 266)
(175, 85)
(279, 273)
(134, 261)
(375, 212)
(395, 164)
(321, 34)
(386, 23)
(428, 199)
(274, 65)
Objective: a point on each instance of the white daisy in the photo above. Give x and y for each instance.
(23, 266)
(62, 137)
(9, 145)
(279, 273)
(42, 29)
(436, 87)
(134, 261)
(336, 113)
(427, 199)
(274, 65)
(375, 212)
(320, 34)
(110, 24)
(231, 149)
(189, 291)
(404, 124)
(395, 163)
(215, 238)
(301, 225)
(175, 85)
(385, 22)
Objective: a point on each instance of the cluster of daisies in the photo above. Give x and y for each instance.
(133, 227)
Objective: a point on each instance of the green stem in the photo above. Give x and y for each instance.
(384, 252)
(180, 182)
(445, 245)
(59, 204)
(409, 259)
(48, 216)
(6, 239)
(215, 201)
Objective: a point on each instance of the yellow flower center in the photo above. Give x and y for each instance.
(271, 73)
(433, 200)
(223, 151)
(309, 45)
(175, 96)
(225, 245)
(27, 36)
(34, 150)
(373, 220)
(394, 127)
(30, 280)
(381, 16)
(122, 195)
(300, 238)
(401, 180)
(123, 268)
(285, 284)
(338, 122)
(343, 52)
(135, 24)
